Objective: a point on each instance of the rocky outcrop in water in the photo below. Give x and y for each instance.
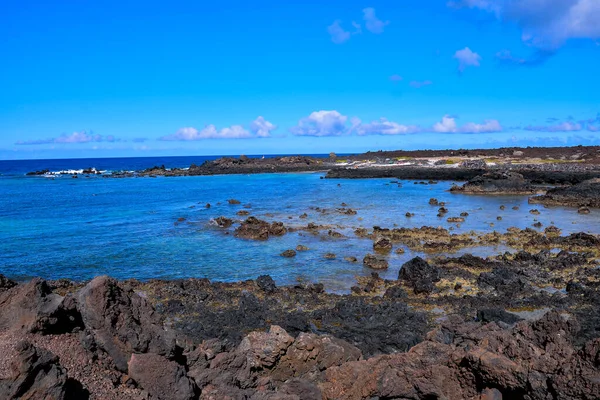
(497, 183)
(256, 229)
(585, 194)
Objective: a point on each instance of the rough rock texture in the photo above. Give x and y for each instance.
(120, 322)
(498, 183)
(256, 229)
(161, 378)
(529, 361)
(268, 362)
(374, 262)
(419, 275)
(6, 283)
(37, 374)
(585, 194)
(382, 245)
(33, 307)
(223, 222)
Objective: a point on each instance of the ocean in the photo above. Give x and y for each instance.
(147, 228)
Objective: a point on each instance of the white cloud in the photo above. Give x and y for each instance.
(338, 34)
(562, 127)
(261, 127)
(373, 24)
(467, 58)
(385, 127)
(208, 132)
(321, 123)
(546, 24)
(73, 138)
(448, 125)
(395, 78)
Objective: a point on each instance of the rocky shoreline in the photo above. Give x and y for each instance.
(554, 166)
(516, 325)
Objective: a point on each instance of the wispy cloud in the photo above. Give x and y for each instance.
(321, 123)
(467, 58)
(545, 24)
(384, 127)
(259, 128)
(448, 125)
(395, 78)
(562, 127)
(538, 57)
(337, 33)
(420, 84)
(372, 23)
(73, 138)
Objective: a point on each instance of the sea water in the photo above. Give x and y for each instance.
(149, 228)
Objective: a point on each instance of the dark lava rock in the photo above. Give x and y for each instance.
(374, 262)
(233, 201)
(256, 229)
(120, 322)
(497, 182)
(433, 202)
(37, 374)
(382, 245)
(6, 283)
(474, 164)
(243, 212)
(455, 220)
(584, 194)
(395, 292)
(351, 259)
(497, 315)
(223, 222)
(503, 280)
(420, 275)
(266, 283)
(301, 247)
(330, 256)
(583, 210)
(33, 307)
(36, 173)
(442, 210)
(161, 378)
(289, 253)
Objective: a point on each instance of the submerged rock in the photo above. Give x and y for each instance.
(374, 262)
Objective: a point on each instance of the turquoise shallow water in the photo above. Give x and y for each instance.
(127, 228)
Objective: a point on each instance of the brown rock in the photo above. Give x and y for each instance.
(121, 322)
(374, 262)
(161, 378)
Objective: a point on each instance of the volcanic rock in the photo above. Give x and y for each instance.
(420, 275)
(497, 183)
(120, 322)
(374, 262)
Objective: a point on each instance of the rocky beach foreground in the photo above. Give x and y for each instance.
(515, 326)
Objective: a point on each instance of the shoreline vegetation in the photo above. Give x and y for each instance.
(523, 324)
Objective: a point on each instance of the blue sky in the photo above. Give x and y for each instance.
(143, 78)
